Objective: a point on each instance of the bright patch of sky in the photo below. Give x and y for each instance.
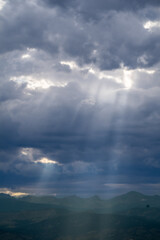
(12, 193)
(151, 25)
(45, 160)
(34, 83)
(2, 4)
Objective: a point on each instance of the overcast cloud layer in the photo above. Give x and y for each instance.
(80, 96)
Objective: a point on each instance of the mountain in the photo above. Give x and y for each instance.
(129, 216)
(129, 200)
(69, 202)
(119, 203)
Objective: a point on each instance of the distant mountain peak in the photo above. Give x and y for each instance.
(130, 196)
(134, 193)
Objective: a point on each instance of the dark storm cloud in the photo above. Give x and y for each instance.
(67, 128)
(26, 27)
(67, 131)
(10, 90)
(93, 6)
(118, 37)
(62, 3)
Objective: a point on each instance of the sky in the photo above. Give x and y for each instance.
(79, 97)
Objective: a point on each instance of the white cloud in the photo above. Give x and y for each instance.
(26, 56)
(151, 25)
(35, 82)
(45, 160)
(2, 4)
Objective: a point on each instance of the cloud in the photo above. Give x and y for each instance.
(79, 89)
(102, 6)
(46, 161)
(64, 34)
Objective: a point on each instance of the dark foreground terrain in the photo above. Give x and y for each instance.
(127, 217)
